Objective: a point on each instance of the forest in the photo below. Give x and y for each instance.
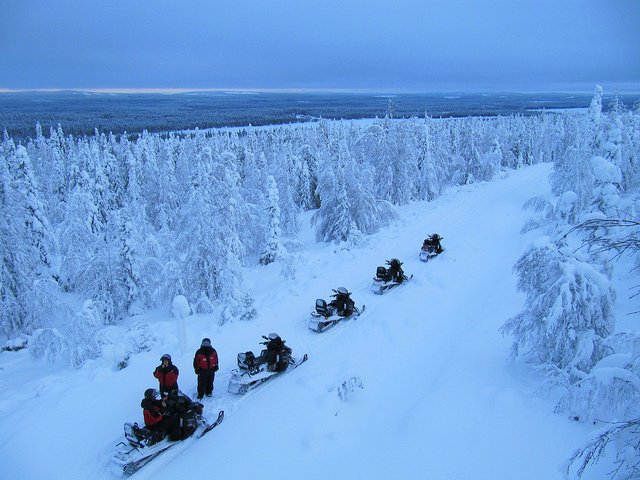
(81, 113)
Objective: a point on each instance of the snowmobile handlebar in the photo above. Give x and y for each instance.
(337, 293)
(268, 341)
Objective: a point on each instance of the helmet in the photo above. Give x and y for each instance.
(166, 356)
(205, 342)
(394, 262)
(151, 394)
(342, 291)
(273, 336)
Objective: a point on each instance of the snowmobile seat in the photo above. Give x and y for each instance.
(246, 360)
(321, 307)
(381, 273)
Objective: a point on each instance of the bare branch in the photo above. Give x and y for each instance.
(628, 434)
(628, 243)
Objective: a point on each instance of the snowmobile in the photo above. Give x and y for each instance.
(252, 371)
(142, 444)
(431, 247)
(328, 314)
(387, 278)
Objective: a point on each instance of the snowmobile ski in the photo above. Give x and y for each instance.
(136, 453)
(243, 380)
(431, 247)
(426, 255)
(211, 426)
(380, 286)
(326, 315)
(321, 323)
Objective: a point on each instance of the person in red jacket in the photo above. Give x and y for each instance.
(155, 419)
(205, 364)
(167, 374)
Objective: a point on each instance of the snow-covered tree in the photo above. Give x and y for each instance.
(74, 341)
(333, 219)
(606, 191)
(610, 391)
(572, 172)
(273, 247)
(595, 122)
(490, 161)
(567, 314)
(79, 232)
(305, 189)
(429, 185)
(348, 206)
(287, 166)
(196, 243)
(26, 244)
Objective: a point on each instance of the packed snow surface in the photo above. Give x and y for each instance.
(418, 386)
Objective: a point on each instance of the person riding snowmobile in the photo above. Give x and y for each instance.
(432, 243)
(342, 302)
(155, 418)
(272, 355)
(394, 272)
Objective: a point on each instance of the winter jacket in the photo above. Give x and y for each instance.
(342, 303)
(152, 411)
(395, 273)
(206, 358)
(432, 244)
(275, 345)
(167, 376)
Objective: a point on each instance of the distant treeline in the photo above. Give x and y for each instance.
(81, 113)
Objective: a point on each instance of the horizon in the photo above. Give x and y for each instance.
(581, 88)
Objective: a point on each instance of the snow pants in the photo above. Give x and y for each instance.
(205, 382)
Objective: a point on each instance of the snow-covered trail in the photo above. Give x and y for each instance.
(438, 399)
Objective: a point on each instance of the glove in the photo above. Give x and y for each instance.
(197, 370)
(215, 369)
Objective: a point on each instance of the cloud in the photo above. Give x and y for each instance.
(302, 43)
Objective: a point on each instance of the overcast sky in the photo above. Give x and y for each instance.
(317, 44)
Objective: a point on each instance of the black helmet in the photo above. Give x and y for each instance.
(166, 356)
(273, 336)
(342, 291)
(150, 394)
(394, 262)
(205, 342)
